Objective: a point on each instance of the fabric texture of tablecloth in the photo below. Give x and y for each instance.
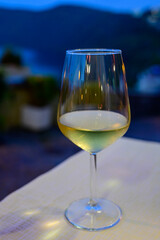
(128, 174)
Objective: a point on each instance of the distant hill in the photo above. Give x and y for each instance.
(52, 32)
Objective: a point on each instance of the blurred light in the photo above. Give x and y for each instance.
(116, 125)
(88, 68)
(52, 234)
(113, 183)
(31, 212)
(99, 211)
(51, 224)
(64, 73)
(123, 68)
(100, 106)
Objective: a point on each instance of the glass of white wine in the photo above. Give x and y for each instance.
(93, 113)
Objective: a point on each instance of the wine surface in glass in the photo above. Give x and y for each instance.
(93, 130)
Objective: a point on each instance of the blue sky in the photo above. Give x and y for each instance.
(114, 5)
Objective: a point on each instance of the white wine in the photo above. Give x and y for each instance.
(93, 130)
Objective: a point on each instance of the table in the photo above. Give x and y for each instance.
(129, 175)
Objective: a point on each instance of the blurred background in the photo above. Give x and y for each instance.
(34, 36)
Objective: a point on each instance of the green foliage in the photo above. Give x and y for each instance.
(42, 90)
(5, 96)
(3, 87)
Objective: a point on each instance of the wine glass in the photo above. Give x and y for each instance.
(93, 113)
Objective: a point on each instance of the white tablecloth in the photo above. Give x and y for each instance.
(129, 175)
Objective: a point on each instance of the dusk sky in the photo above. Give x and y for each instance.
(114, 5)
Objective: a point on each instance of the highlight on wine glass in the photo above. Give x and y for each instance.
(93, 113)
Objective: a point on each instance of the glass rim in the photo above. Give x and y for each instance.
(94, 51)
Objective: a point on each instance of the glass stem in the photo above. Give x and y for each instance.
(93, 180)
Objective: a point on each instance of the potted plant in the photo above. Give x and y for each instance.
(42, 91)
(7, 104)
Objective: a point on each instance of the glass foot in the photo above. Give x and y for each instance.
(104, 214)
